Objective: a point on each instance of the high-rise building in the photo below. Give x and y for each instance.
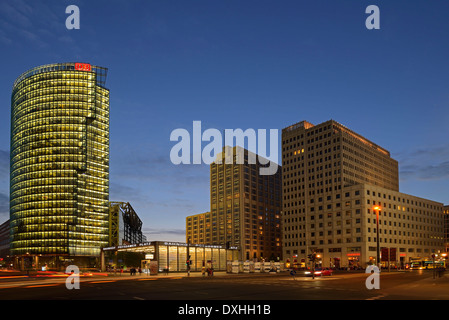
(198, 228)
(4, 242)
(446, 226)
(330, 155)
(59, 183)
(332, 179)
(245, 208)
(125, 226)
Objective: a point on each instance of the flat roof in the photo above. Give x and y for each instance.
(144, 246)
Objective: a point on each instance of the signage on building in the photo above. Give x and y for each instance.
(182, 244)
(83, 66)
(353, 254)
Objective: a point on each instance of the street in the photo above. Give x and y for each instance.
(408, 285)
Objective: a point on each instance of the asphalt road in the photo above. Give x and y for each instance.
(340, 286)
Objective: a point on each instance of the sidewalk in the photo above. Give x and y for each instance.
(429, 288)
(196, 274)
(127, 275)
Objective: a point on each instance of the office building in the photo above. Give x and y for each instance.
(125, 226)
(446, 226)
(245, 208)
(198, 228)
(4, 243)
(59, 183)
(332, 180)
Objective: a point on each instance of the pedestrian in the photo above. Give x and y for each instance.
(140, 271)
(203, 272)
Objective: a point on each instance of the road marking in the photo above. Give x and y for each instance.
(138, 298)
(375, 298)
(44, 285)
(146, 279)
(13, 277)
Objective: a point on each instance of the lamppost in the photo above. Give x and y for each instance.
(377, 209)
(444, 255)
(188, 257)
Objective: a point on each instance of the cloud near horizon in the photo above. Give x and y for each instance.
(164, 234)
(426, 163)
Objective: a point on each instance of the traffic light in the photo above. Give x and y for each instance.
(312, 256)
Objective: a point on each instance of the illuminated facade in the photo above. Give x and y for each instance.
(198, 228)
(245, 209)
(446, 226)
(173, 256)
(125, 226)
(59, 176)
(4, 241)
(332, 179)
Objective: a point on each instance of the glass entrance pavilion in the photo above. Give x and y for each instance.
(173, 256)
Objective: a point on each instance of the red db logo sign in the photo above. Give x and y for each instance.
(83, 66)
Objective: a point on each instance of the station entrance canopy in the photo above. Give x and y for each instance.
(179, 256)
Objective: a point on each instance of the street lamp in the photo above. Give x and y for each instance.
(188, 257)
(377, 209)
(319, 259)
(444, 255)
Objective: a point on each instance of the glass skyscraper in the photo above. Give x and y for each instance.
(59, 178)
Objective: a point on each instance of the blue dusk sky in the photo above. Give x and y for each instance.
(241, 64)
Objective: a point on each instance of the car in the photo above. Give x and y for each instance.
(320, 272)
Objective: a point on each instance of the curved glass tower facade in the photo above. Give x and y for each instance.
(59, 187)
